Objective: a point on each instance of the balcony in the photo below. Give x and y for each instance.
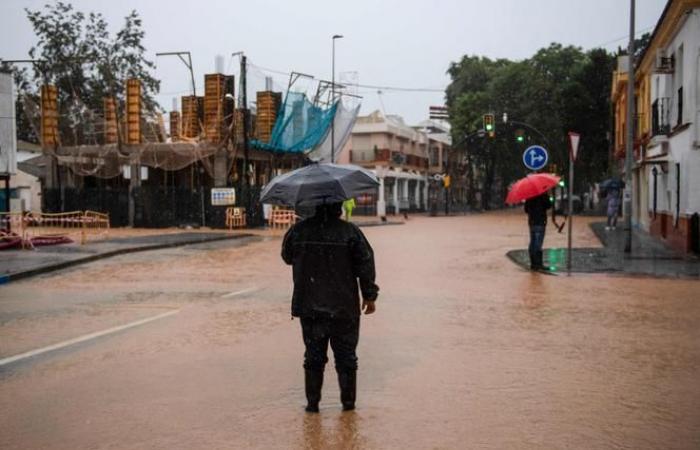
(661, 116)
(370, 156)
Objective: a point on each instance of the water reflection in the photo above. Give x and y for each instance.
(533, 291)
(341, 432)
(313, 432)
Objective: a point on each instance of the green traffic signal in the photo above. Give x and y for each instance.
(489, 123)
(520, 138)
(562, 183)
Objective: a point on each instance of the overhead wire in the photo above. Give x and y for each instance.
(382, 88)
(360, 85)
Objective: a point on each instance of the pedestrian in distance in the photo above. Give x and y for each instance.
(349, 206)
(328, 256)
(536, 209)
(613, 208)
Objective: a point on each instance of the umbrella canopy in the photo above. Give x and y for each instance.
(612, 183)
(531, 186)
(317, 184)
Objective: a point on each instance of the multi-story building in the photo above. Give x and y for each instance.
(402, 157)
(666, 173)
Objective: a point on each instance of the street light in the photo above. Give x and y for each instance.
(335, 36)
(187, 62)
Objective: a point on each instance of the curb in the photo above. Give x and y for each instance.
(376, 224)
(4, 279)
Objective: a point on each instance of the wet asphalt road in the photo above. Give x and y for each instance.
(466, 350)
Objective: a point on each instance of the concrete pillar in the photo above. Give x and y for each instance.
(220, 172)
(396, 195)
(134, 184)
(425, 194)
(417, 194)
(404, 196)
(381, 202)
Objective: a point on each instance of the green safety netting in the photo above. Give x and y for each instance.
(300, 125)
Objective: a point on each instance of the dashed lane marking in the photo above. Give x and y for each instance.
(84, 338)
(241, 292)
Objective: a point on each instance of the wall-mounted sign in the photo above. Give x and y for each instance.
(223, 196)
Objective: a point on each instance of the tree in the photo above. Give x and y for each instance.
(559, 89)
(77, 54)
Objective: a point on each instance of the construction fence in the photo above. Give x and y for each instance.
(155, 206)
(28, 230)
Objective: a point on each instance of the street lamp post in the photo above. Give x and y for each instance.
(629, 142)
(335, 36)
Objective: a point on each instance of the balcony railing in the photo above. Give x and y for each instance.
(386, 155)
(370, 155)
(661, 116)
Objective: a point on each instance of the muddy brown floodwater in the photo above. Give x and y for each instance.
(466, 350)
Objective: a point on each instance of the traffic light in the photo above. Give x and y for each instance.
(490, 124)
(562, 183)
(520, 135)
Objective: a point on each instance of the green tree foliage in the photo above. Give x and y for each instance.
(559, 89)
(76, 52)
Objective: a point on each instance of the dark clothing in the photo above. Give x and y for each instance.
(535, 248)
(343, 335)
(328, 256)
(536, 209)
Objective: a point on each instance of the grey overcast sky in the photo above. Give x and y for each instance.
(401, 43)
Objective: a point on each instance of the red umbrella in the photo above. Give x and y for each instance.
(531, 186)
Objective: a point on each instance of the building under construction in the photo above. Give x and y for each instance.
(125, 161)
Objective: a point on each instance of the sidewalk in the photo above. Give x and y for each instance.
(18, 264)
(649, 257)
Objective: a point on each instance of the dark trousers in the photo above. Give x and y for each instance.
(343, 335)
(536, 242)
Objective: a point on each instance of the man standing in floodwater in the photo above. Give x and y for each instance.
(536, 209)
(328, 257)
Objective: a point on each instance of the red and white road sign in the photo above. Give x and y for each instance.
(574, 139)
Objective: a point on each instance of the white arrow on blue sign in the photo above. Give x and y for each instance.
(535, 157)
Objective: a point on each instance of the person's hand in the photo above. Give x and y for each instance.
(368, 306)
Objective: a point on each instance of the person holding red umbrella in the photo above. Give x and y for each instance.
(533, 189)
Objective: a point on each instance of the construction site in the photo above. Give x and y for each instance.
(199, 164)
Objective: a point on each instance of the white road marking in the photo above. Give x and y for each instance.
(242, 291)
(83, 338)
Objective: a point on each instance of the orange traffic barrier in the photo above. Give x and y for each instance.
(54, 226)
(235, 218)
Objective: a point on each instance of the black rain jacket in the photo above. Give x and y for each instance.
(328, 256)
(536, 209)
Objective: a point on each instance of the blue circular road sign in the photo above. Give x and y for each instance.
(535, 157)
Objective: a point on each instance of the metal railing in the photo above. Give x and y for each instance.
(34, 227)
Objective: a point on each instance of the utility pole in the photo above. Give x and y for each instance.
(335, 36)
(629, 142)
(246, 146)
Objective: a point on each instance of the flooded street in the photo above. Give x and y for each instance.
(466, 350)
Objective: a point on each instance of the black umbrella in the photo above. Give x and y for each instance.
(317, 184)
(612, 183)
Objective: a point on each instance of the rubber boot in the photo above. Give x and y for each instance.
(533, 261)
(540, 260)
(347, 380)
(314, 382)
